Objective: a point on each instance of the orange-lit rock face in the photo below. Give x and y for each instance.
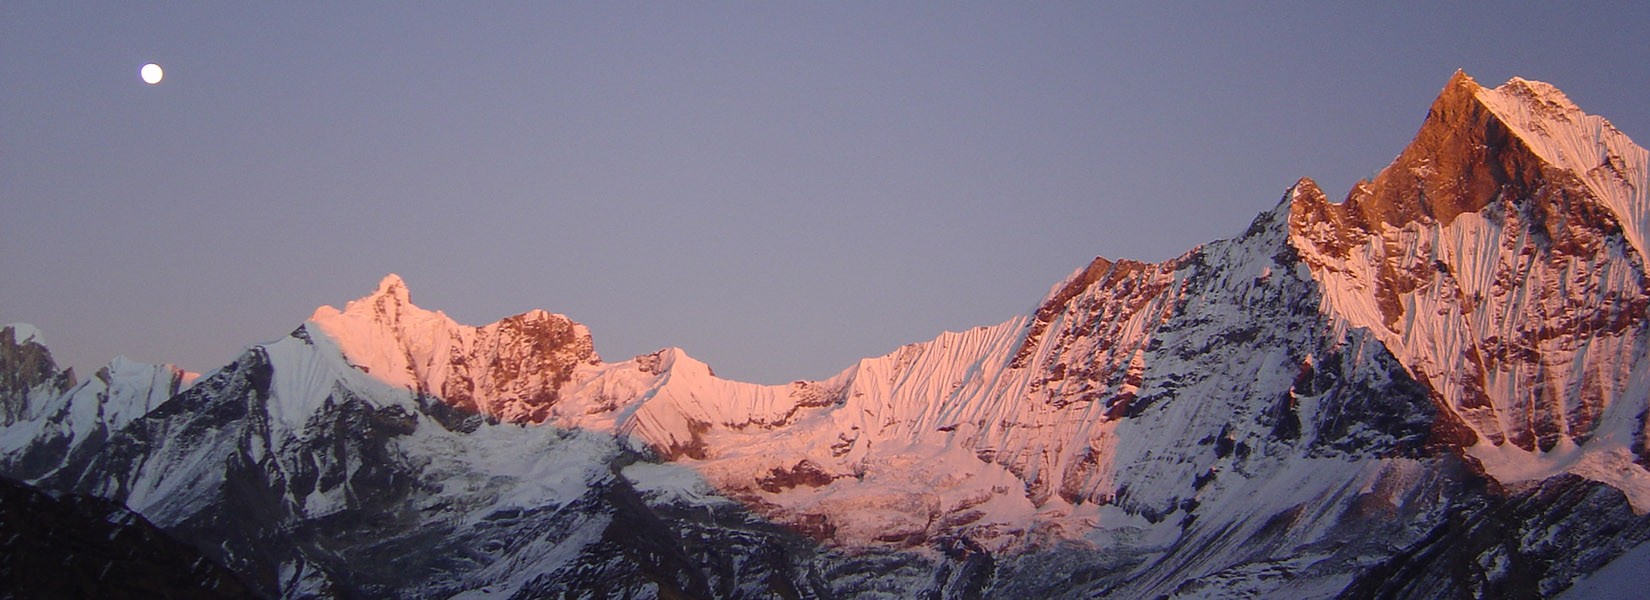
(1500, 276)
(512, 370)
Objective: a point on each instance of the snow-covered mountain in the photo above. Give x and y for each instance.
(47, 419)
(1436, 388)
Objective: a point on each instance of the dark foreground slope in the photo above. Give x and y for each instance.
(81, 547)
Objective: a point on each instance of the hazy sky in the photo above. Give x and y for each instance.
(778, 188)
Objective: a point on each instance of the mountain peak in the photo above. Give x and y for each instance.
(24, 364)
(392, 286)
(1477, 143)
(1305, 187)
(1538, 92)
(1502, 251)
(389, 303)
(1461, 79)
(1521, 145)
(511, 369)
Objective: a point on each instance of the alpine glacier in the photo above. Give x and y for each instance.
(1436, 388)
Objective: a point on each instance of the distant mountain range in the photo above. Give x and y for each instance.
(1437, 388)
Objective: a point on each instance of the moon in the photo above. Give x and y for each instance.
(151, 73)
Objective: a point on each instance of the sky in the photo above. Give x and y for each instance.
(778, 188)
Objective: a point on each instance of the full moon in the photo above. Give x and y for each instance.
(151, 73)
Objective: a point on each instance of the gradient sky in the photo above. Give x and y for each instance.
(778, 188)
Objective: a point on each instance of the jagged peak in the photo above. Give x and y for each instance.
(392, 286)
(389, 297)
(1098, 270)
(509, 369)
(1450, 141)
(539, 315)
(1101, 272)
(1309, 208)
(1306, 189)
(1364, 206)
(390, 302)
(1462, 81)
(1533, 109)
(390, 306)
(26, 362)
(673, 360)
(1474, 145)
(1075, 283)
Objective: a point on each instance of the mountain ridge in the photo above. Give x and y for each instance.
(1326, 399)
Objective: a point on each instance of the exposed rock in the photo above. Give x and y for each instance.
(26, 369)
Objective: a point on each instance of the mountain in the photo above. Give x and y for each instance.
(47, 418)
(1435, 388)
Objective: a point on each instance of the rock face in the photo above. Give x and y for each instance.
(29, 375)
(512, 370)
(1436, 388)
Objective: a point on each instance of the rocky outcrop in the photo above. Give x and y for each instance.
(27, 370)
